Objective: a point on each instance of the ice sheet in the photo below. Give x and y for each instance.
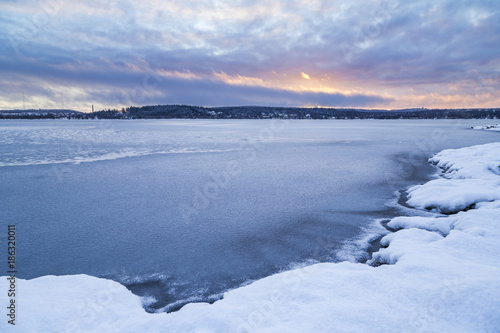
(442, 277)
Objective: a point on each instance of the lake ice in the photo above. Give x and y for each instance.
(182, 210)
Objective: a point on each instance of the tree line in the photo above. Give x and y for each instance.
(254, 112)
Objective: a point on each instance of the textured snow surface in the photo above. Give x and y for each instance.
(443, 276)
(471, 175)
(495, 127)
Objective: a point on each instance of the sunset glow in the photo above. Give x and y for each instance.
(374, 54)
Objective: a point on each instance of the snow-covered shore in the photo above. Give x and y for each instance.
(441, 274)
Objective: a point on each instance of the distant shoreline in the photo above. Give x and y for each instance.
(251, 112)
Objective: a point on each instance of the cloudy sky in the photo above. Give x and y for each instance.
(369, 54)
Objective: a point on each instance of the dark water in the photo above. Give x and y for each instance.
(198, 207)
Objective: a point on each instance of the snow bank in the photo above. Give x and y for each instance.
(443, 277)
(471, 175)
(442, 225)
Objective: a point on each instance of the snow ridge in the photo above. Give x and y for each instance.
(470, 176)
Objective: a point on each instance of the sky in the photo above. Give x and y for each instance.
(316, 53)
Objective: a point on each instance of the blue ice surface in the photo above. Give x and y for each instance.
(181, 210)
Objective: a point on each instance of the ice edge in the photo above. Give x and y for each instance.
(443, 276)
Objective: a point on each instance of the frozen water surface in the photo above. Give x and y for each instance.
(182, 210)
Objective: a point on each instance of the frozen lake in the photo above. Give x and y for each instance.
(181, 210)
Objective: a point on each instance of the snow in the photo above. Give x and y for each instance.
(441, 225)
(495, 127)
(471, 175)
(442, 276)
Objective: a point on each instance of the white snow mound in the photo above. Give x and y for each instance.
(471, 175)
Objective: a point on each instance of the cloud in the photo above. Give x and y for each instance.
(125, 84)
(381, 53)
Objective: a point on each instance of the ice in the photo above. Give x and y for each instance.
(355, 250)
(443, 277)
(89, 141)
